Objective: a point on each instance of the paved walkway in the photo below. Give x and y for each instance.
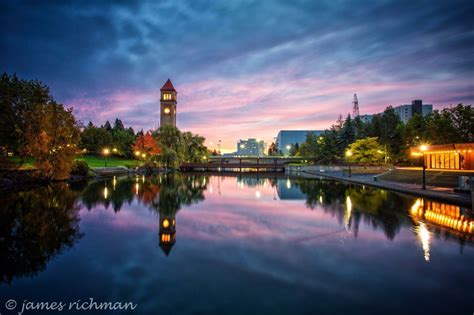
(432, 192)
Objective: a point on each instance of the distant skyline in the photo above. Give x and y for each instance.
(242, 69)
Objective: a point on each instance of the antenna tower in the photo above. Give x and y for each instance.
(355, 108)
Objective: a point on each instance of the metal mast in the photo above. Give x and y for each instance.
(355, 108)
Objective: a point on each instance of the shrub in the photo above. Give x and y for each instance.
(80, 168)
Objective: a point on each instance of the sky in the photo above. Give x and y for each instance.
(245, 68)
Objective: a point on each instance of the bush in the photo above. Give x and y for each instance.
(80, 168)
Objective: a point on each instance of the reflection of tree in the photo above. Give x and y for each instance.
(370, 205)
(108, 192)
(34, 227)
(164, 194)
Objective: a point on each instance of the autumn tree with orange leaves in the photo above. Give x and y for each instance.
(146, 146)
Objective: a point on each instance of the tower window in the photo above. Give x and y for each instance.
(167, 96)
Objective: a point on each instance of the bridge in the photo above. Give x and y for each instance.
(242, 164)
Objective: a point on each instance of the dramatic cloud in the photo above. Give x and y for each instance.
(242, 68)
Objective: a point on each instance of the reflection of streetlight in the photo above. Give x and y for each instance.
(115, 150)
(348, 155)
(423, 148)
(424, 236)
(288, 147)
(106, 153)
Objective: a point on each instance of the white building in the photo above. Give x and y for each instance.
(251, 147)
(406, 111)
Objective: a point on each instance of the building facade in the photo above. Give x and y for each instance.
(168, 103)
(251, 147)
(286, 139)
(407, 111)
(454, 156)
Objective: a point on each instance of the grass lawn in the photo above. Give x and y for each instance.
(92, 161)
(98, 161)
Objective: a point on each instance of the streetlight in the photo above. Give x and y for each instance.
(288, 147)
(106, 153)
(423, 148)
(348, 155)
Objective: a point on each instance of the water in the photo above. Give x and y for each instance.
(236, 245)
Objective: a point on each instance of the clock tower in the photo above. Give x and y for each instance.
(168, 105)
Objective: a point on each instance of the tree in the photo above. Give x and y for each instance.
(146, 144)
(95, 139)
(346, 135)
(295, 149)
(123, 140)
(118, 125)
(451, 125)
(367, 151)
(51, 138)
(415, 131)
(388, 128)
(34, 125)
(107, 126)
(17, 97)
(272, 149)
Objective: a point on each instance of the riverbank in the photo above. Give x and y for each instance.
(432, 192)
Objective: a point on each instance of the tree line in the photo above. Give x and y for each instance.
(386, 138)
(34, 126)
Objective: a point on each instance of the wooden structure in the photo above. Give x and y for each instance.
(453, 156)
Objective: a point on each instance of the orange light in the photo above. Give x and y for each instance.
(166, 223)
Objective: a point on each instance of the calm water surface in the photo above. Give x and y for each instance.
(236, 245)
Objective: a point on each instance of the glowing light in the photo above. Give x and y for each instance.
(424, 236)
(115, 150)
(258, 194)
(105, 151)
(137, 153)
(143, 179)
(137, 186)
(167, 110)
(348, 212)
(166, 223)
(423, 147)
(288, 183)
(106, 192)
(143, 155)
(321, 199)
(114, 182)
(416, 206)
(348, 153)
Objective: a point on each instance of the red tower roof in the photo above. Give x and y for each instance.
(168, 86)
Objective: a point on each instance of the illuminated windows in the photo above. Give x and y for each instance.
(167, 96)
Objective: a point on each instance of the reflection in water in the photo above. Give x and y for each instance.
(424, 236)
(451, 220)
(348, 213)
(35, 226)
(38, 224)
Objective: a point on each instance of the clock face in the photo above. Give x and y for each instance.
(167, 111)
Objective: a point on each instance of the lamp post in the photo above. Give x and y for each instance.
(106, 153)
(348, 155)
(423, 148)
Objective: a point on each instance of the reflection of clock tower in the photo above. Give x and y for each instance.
(168, 105)
(167, 232)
